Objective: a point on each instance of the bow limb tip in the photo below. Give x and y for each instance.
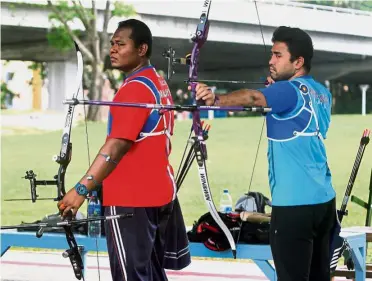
(76, 47)
(234, 254)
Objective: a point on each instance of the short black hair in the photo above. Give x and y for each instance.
(299, 43)
(141, 33)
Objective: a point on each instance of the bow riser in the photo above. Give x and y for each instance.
(199, 38)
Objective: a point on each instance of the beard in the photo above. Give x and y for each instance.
(282, 76)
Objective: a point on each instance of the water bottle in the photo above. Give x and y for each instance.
(94, 210)
(225, 202)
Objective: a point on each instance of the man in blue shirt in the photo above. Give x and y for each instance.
(303, 198)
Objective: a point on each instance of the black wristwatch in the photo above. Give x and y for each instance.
(81, 189)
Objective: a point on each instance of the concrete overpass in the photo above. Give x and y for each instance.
(235, 50)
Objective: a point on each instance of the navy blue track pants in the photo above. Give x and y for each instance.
(136, 245)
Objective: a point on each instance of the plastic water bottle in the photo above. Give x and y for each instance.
(225, 202)
(94, 210)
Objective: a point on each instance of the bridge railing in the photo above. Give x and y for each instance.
(315, 7)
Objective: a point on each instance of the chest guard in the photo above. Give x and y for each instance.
(152, 126)
(297, 123)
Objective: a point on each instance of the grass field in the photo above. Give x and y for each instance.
(231, 149)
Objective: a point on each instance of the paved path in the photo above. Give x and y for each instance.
(40, 266)
(18, 265)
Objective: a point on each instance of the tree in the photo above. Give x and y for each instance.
(359, 5)
(94, 44)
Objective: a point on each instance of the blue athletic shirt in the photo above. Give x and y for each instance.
(299, 121)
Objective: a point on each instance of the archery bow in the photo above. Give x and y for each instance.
(199, 38)
(199, 146)
(63, 159)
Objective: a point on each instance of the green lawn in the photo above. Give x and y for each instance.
(231, 148)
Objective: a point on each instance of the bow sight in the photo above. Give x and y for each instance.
(170, 55)
(31, 176)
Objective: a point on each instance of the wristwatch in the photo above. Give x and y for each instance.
(81, 189)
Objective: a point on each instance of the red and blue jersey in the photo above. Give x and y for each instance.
(144, 176)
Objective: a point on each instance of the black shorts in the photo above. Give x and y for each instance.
(299, 240)
(136, 245)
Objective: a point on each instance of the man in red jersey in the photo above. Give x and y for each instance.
(133, 163)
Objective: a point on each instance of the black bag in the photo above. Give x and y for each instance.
(252, 202)
(206, 231)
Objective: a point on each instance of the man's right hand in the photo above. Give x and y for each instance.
(204, 92)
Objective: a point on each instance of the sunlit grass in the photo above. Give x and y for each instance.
(231, 149)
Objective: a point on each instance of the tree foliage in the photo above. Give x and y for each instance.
(359, 5)
(75, 21)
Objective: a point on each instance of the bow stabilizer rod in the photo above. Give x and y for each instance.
(66, 222)
(227, 81)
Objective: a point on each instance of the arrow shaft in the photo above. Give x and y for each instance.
(169, 107)
(225, 81)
